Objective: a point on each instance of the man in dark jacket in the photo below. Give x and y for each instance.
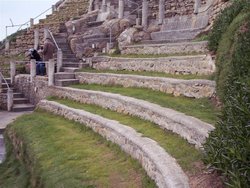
(40, 66)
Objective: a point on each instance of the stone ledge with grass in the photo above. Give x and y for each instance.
(191, 64)
(177, 87)
(166, 48)
(159, 165)
(192, 129)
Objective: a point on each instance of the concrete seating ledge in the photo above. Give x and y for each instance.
(159, 165)
(192, 129)
(167, 48)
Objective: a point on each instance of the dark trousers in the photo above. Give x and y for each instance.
(40, 68)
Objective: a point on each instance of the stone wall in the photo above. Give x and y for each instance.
(167, 48)
(177, 87)
(160, 166)
(200, 65)
(69, 9)
(193, 130)
(3, 101)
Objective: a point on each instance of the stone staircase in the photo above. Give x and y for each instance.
(20, 103)
(70, 62)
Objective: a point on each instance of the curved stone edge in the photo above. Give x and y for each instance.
(188, 88)
(198, 64)
(159, 165)
(166, 48)
(192, 129)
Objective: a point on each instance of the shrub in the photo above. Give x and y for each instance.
(222, 23)
(228, 146)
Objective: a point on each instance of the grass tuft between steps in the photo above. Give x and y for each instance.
(202, 109)
(62, 153)
(150, 73)
(185, 154)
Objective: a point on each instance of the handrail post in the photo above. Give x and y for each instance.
(53, 7)
(9, 99)
(12, 71)
(59, 59)
(31, 22)
(36, 39)
(32, 69)
(7, 45)
(197, 4)
(1, 84)
(51, 72)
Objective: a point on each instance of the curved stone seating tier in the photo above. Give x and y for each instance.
(167, 48)
(159, 165)
(192, 129)
(177, 87)
(199, 64)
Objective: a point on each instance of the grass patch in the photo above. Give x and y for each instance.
(199, 108)
(63, 153)
(151, 55)
(12, 172)
(172, 143)
(150, 73)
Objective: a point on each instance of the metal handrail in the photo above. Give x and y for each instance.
(53, 38)
(4, 80)
(26, 23)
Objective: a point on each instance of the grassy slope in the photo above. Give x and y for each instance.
(67, 154)
(150, 73)
(199, 108)
(172, 143)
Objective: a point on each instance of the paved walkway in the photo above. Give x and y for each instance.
(5, 119)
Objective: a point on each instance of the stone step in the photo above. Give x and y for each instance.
(164, 41)
(61, 40)
(4, 90)
(167, 48)
(197, 64)
(76, 65)
(18, 95)
(6, 85)
(67, 60)
(158, 164)
(66, 82)
(20, 101)
(69, 55)
(60, 35)
(69, 69)
(64, 75)
(22, 107)
(177, 87)
(187, 34)
(192, 129)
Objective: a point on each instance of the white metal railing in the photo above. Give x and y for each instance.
(9, 92)
(59, 52)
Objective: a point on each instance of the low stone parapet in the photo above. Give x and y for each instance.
(167, 48)
(159, 165)
(177, 87)
(192, 129)
(199, 64)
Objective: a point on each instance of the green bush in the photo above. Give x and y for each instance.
(223, 22)
(228, 146)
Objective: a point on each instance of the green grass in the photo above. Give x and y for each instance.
(151, 55)
(12, 172)
(172, 143)
(149, 73)
(63, 153)
(199, 108)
